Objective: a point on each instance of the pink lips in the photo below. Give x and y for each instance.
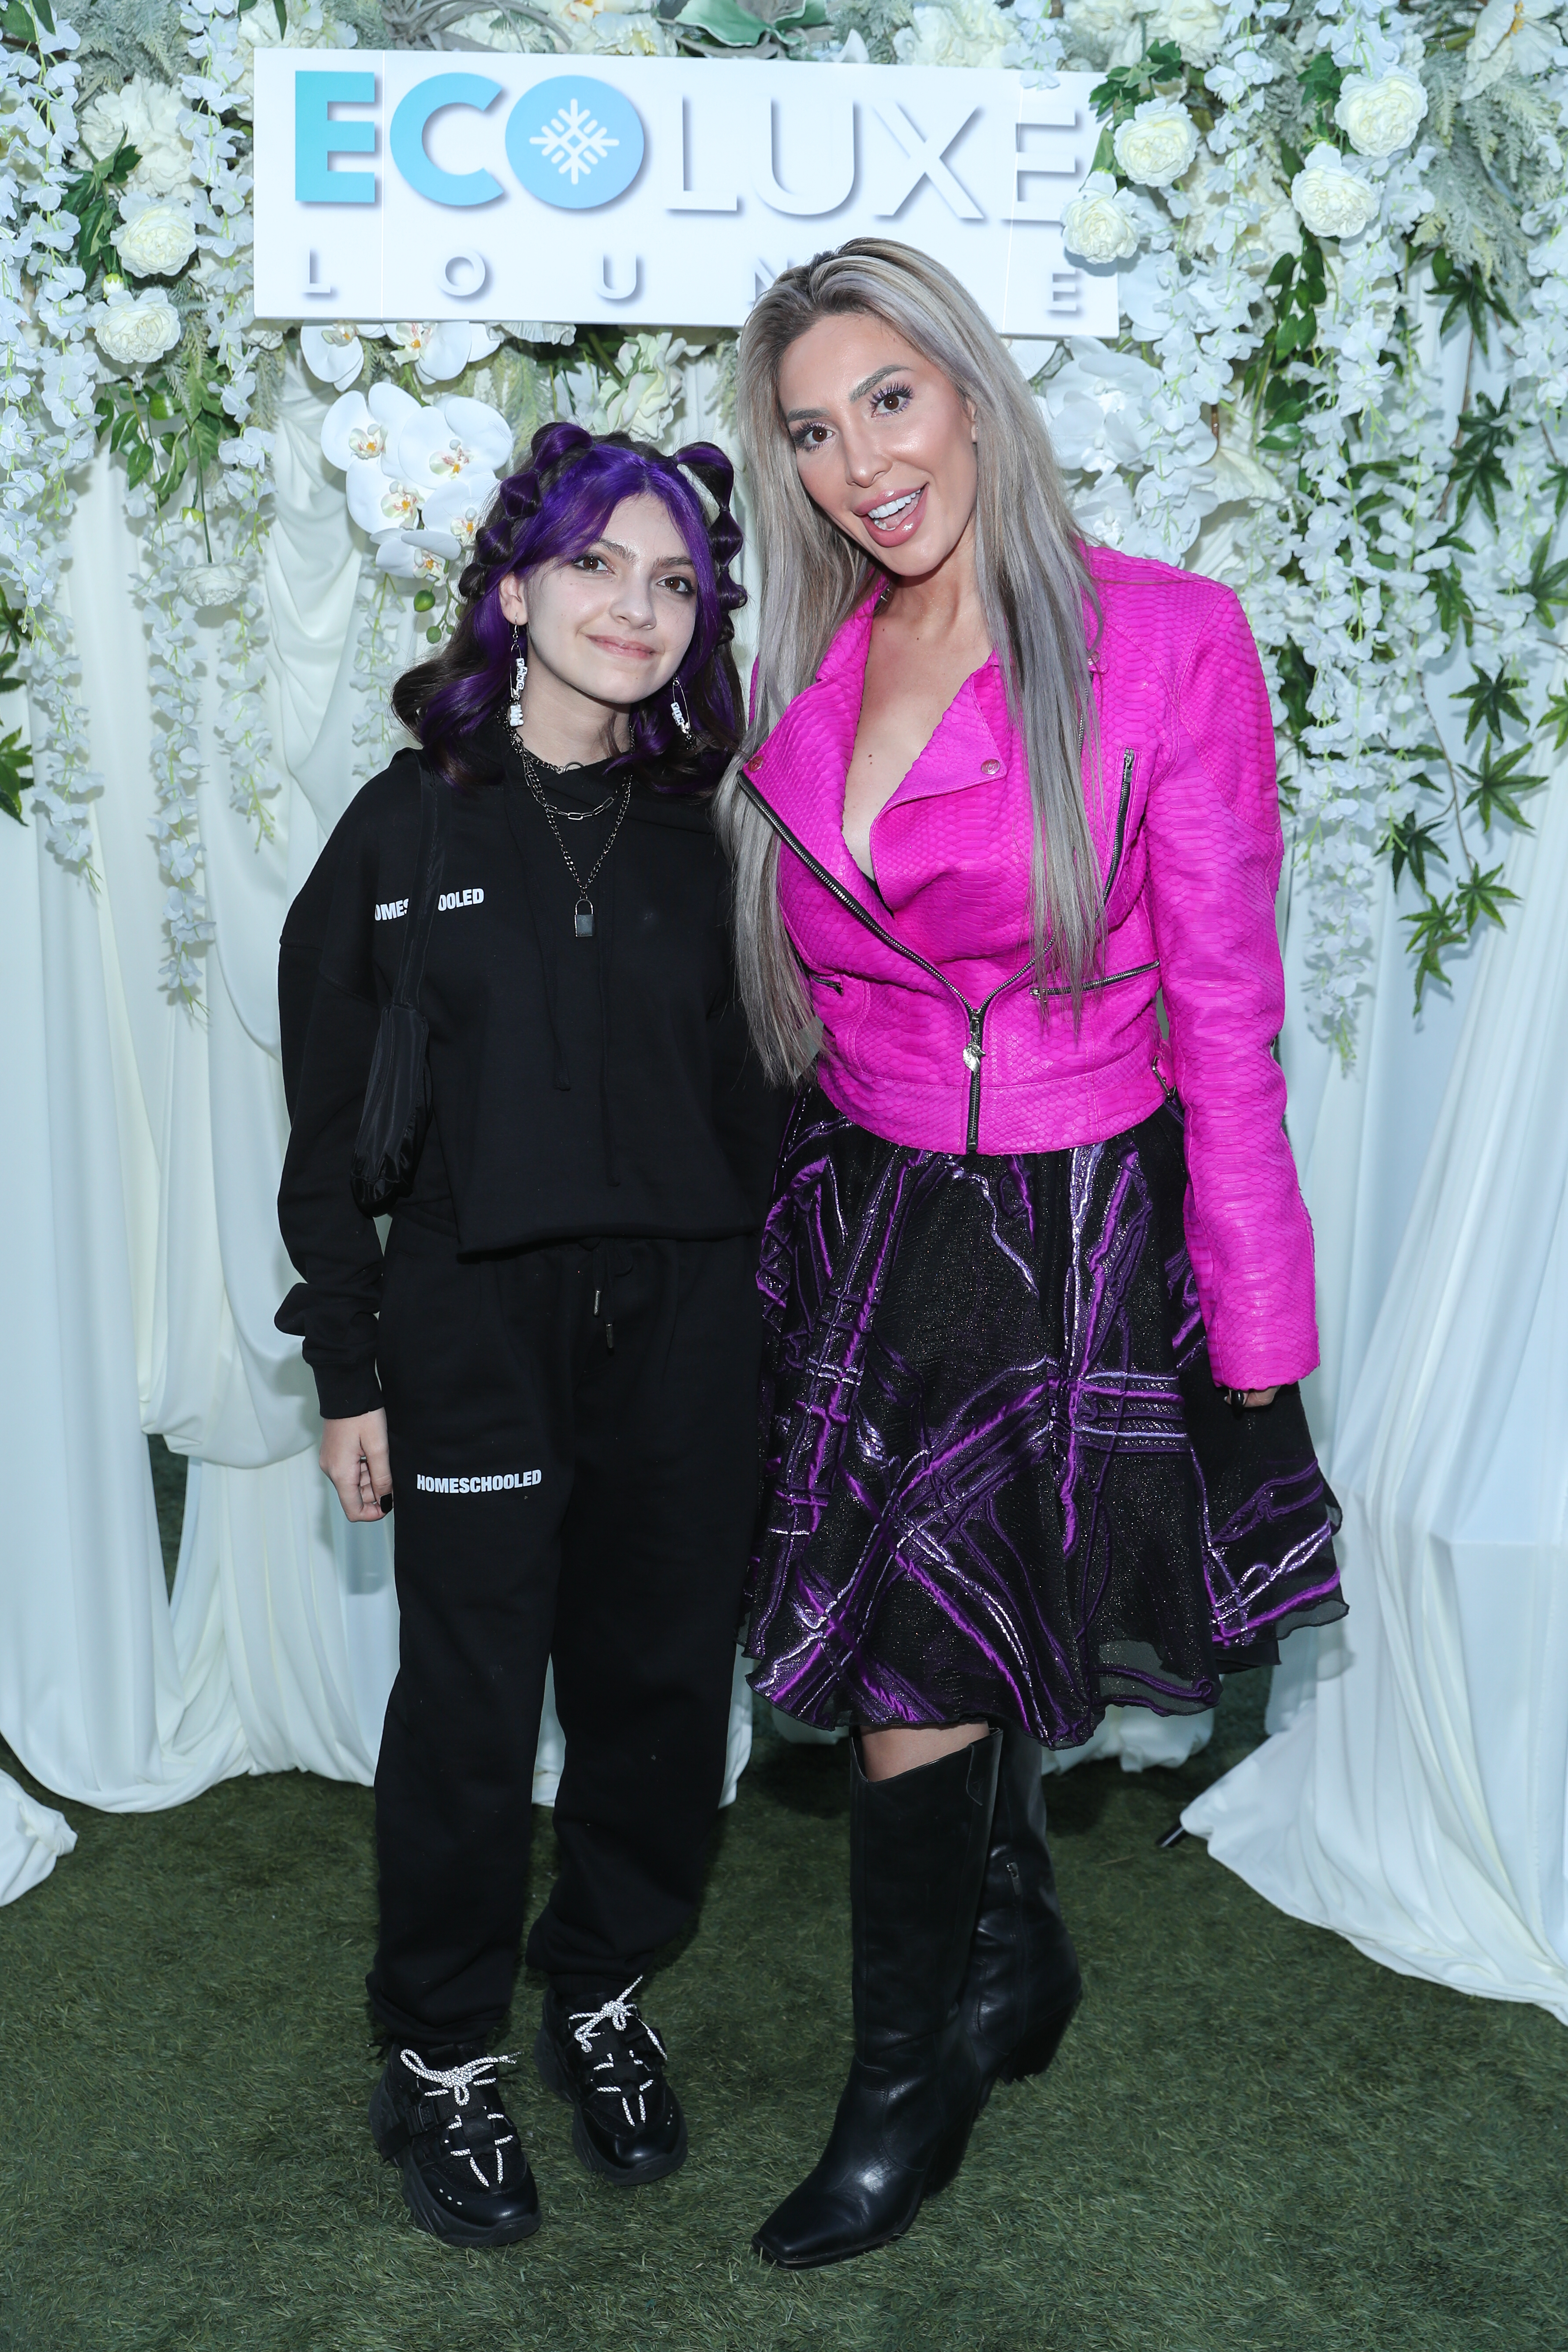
(622, 645)
(902, 526)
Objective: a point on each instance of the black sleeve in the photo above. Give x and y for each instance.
(748, 1113)
(329, 1013)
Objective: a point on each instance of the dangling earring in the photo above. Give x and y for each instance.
(677, 710)
(518, 676)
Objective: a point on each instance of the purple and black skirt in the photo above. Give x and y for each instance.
(998, 1478)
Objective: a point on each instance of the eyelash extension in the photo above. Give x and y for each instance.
(894, 392)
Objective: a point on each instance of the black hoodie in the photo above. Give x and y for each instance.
(581, 1088)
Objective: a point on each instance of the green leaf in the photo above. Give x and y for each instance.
(1557, 715)
(1319, 83)
(1410, 842)
(139, 465)
(1492, 699)
(15, 773)
(1434, 929)
(724, 20)
(1296, 679)
(1498, 784)
(1455, 610)
(281, 13)
(1482, 897)
(1476, 468)
(1547, 583)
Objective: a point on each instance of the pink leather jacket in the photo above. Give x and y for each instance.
(932, 1033)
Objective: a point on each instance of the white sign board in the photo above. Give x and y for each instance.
(439, 184)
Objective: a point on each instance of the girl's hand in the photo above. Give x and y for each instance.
(1259, 1396)
(354, 1457)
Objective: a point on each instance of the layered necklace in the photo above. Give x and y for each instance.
(583, 912)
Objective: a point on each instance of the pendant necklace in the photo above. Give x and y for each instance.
(583, 912)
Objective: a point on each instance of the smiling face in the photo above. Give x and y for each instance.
(884, 442)
(610, 627)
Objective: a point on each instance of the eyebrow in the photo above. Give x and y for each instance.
(663, 562)
(858, 391)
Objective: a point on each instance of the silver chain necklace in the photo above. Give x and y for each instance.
(583, 912)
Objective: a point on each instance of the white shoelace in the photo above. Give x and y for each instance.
(622, 2013)
(476, 2073)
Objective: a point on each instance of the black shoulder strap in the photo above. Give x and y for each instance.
(427, 890)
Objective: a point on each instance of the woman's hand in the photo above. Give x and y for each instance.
(356, 1458)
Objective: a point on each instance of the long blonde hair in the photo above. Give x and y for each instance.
(1032, 578)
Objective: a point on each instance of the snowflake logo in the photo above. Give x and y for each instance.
(574, 142)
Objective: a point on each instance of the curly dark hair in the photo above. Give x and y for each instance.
(551, 510)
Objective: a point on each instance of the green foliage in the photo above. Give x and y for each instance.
(16, 758)
(1411, 841)
(1158, 72)
(1547, 583)
(92, 198)
(1493, 699)
(21, 23)
(1468, 293)
(166, 426)
(1496, 787)
(1299, 284)
(1478, 472)
(1320, 87)
(1556, 717)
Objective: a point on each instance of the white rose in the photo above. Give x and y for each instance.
(136, 332)
(155, 238)
(1098, 224)
(147, 113)
(1158, 144)
(960, 32)
(1382, 116)
(204, 586)
(1104, 27)
(1194, 26)
(1331, 199)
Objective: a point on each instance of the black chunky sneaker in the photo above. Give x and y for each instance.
(465, 2176)
(609, 2063)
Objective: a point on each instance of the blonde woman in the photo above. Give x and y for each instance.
(1038, 1278)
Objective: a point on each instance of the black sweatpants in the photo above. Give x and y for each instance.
(556, 1497)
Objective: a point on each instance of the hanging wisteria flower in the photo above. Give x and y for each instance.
(963, 33)
(334, 353)
(146, 114)
(1381, 116)
(1159, 143)
(1511, 37)
(155, 237)
(134, 331)
(1331, 199)
(1098, 226)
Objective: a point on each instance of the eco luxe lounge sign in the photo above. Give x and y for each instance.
(485, 185)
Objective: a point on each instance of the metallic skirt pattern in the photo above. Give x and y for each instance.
(998, 1478)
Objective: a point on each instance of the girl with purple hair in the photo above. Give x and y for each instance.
(552, 1366)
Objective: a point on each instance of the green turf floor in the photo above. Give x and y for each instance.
(1253, 2138)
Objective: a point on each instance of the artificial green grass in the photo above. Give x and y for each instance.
(1253, 2137)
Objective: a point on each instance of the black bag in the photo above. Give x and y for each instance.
(397, 1094)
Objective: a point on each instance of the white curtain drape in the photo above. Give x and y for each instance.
(139, 1277)
(1414, 1796)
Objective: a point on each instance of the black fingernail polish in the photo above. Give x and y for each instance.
(386, 1502)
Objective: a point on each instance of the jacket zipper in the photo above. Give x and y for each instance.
(975, 1050)
(1122, 807)
(974, 1015)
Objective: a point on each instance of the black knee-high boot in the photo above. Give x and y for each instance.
(1023, 1983)
(917, 1853)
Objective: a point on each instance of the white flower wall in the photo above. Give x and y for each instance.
(1289, 193)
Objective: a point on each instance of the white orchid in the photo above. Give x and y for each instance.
(438, 348)
(1518, 36)
(334, 353)
(454, 516)
(355, 434)
(454, 438)
(405, 558)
